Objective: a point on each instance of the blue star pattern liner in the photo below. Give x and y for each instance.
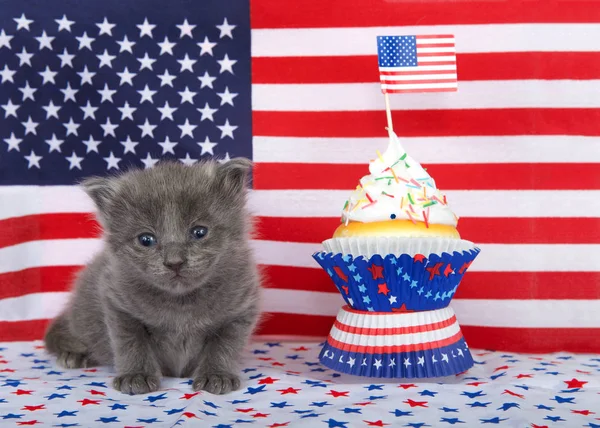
(397, 283)
(428, 363)
(283, 385)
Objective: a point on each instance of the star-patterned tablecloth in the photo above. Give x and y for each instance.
(284, 385)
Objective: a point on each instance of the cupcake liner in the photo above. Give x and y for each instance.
(393, 283)
(369, 246)
(401, 345)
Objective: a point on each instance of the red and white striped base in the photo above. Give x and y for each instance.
(397, 345)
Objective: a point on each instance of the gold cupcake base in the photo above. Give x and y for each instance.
(396, 228)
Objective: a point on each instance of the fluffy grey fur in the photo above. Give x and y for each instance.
(184, 307)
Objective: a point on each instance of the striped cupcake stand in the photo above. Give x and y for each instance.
(426, 344)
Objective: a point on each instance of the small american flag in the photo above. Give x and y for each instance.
(417, 63)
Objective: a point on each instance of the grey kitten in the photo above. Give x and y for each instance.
(175, 289)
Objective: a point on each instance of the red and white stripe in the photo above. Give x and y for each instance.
(435, 70)
(371, 333)
(516, 150)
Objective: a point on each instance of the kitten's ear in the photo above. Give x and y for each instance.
(233, 175)
(102, 190)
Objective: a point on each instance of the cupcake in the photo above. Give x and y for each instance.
(397, 199)
(397, 259)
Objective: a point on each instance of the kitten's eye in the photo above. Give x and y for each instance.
(147, 239)
(199, 232)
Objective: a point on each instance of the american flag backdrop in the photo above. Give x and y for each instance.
(90, 88)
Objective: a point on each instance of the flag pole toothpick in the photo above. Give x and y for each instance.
(388, 112)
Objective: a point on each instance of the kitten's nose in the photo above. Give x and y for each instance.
(174, 264)
(173, 257)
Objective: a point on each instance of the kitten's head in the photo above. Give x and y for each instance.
(170, 225)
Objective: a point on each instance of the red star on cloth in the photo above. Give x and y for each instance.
(277, 425)
(407, 385)
(292, 372)
(514, 394)
(475, 383)
(302, 348)
(464, 267)
(267, 381)
(188, 396)
(418, 258)
(434, 270)
(251, 409)
(376, 271)
(583, 372)
(90, 370)
(7, 371)
(265, 358)
(340, 273)
(538, 426)
(448, 270)
(583, 412)
(383, 289)
(34, 408)
(261, 415)
(85, 402)
(336, 394)
(521, 376)
(39, 347)
(34, 422)
(190, 415)
(375, 424)
(574, 383)
(276, 364)
(290, 390)
(345, 288)
(501, 368)
(3, 362)
(412, 403)
(94, 392)
(22, 392)
(364, 403)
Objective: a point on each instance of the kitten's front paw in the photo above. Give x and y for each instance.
(217, 383)
(73, 360)
(136, 383)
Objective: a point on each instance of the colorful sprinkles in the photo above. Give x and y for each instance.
(417, 208)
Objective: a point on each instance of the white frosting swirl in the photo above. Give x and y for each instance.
(397, 188)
